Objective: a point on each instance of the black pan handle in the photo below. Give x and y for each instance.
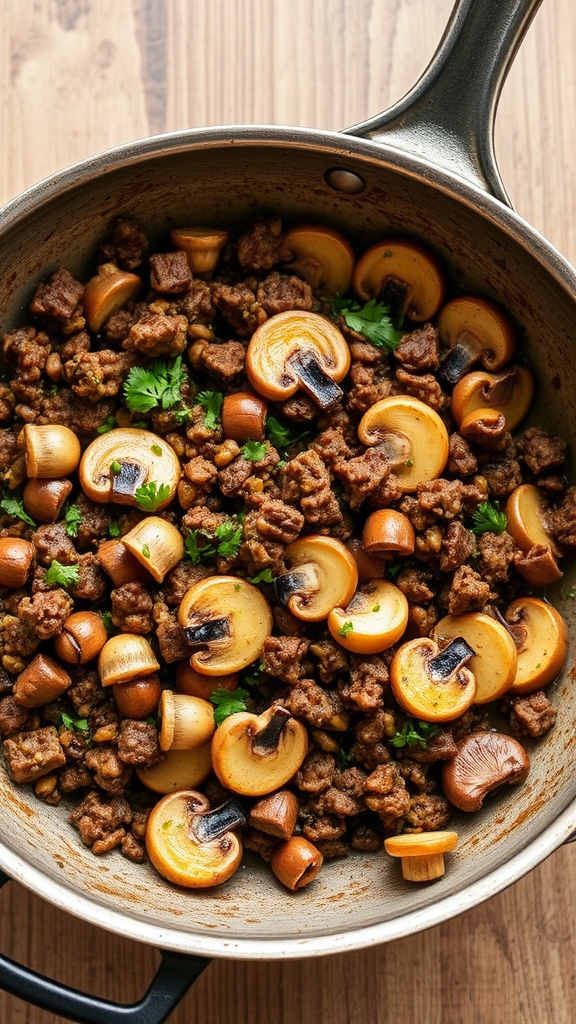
(176, 974)
(448, 116)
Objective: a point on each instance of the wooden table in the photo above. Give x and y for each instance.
(78, 76)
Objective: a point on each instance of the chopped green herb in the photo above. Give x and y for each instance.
(253, 674)
(372, 320)
(281, 437)
(64, 575)
(211, 402)
(107, 622)
(159, 385)
(224, 542)
(115, 467)
(236, 587)
(72, 520)
(263, 577)
(108, 425)
(414, 733)
(410, 463)
(16, 509)
(376, 608)
(344, 759)
(153, 720)
(348, 627)
(393, 570)
(140, 424)
(253, 451)
(114, 530)
(570, 595)
(156, 449)
(241, 516)
(488, 518)
(388, 253)
(74, 724)
(150, 496)
(539, 665)
(146, 551)
(166, 824)
(228, 702)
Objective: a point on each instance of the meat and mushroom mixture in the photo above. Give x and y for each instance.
(271, 539)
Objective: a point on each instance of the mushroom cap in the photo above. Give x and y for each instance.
(253, 773)
(285, 335)
(323, 256)
(378, 614)
(543, 643)
(244, 417)
(526, 510)
(336, 570)
(202, 246)
(414, 435)
(51, 450)
(178, 769)
(124, 657)
(107, 292)
(411, 264)
(495, 662)
(187, 722)
(157, 544)
(480, 326)
(181, 859)
(484, 761)
(510, 392)
(188, 680)
(420, 844)
(388, 530)
(152, 458)
(248, 614)
(420, 695)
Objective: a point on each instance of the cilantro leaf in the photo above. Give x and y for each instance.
(414, 733)
(344, 759)
(228, 702)
(157, 385)
(16, 509)
(253, 451)
(114, 530)
(150, 496)
(211, 402)
(64, 575)
(72, 520)
(280, 436)
(107, 621)
(393, 570)
(488, 518)
(348, 627)
(372, 320)
(146, 551)
(229, 537)
(224, 542)
(263, 577)
(253, 674)
(74, 724)
(109, 424)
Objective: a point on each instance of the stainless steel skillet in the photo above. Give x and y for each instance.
(224, 175)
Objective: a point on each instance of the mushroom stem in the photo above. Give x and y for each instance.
(396, 446)
(461, 358)
(267, 741)
(303, 581)
(450, 660)
(208, 825)
(314, 380)
(517, 631)
(208, 632)
(127, 480)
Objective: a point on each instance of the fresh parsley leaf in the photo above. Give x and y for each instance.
(228, 702)
(145, 551)
(114, 530)
(348, 627)
(149, 496)
(263, 577)
(372, 320)
(488, 518)
(410, 463)
(157, 385)
(253, 674)
(211, 402)
(241, 516)
(115, 467)
(229, 537)
(16, 509)
(280, 436)
(153, 720)
(225, 542)
(414, 733)
(64, 575)
(156, 449)
(166, 824)
(393, 570)
(72, 520)
(253, 451)
(74, 724)
(344, 759)
(108, 425)
(376, 608)
(107, 622)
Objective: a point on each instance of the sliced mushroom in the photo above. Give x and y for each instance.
(422, 853)
(374, 619)
(297, 349)
(44, 499)
(175, 851)
(125, 657)
(370, 566)
(178, 769)
(322, 256)
(120, 565)
(388, 530)
(412, 436)
(296, 862)
(276, 814)
(433, 685)
(541, 637)
(257, 754)
(186, 722)
(117, 463)
(510, 392)
(486, 428)
(404, 275)
(322, 574)
(475, 330)
(201, 245)
(526, 512)
(107, 292)
(51, 451)
(244, 417)
(485, 760)
(495, 659)
(156, 544)
(538, 566)
(229, 619)
(189, 681)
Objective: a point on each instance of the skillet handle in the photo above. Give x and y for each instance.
(176, 974)
(448, 116)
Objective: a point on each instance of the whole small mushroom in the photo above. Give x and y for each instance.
(484, 761)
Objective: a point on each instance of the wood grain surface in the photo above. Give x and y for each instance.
(78, 76)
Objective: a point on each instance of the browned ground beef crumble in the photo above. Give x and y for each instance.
(354, 787)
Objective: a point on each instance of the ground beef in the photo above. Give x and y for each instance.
(449, 498)
(12, 716)
(101, 820)
(158, 335)
(170, 635)
(196, 304)
(427, 813)
(73, 777)
(419, 350)
(27, 351)
(467, 592)
(239, 307)
(363, 477)
(532, 715)
(423, 386)
(10, 449)
(80, 414)
(366, 839)
(386, 793)
(138, 743)
(496, 556)
(46, 613)
(91, 580)
(170, 273)
(440, 747)
(461, 459)
(111, 774)
(17, 638)
(415, 585)
(278, 521)
(415, 774)
(266, 531)
(316, 772)
(53, 543)
(332, 446)
(300, 408)
(421, 620)
(310, 703)
(96, 375)
(458, 544)
(225, 360)
(540, 451)
(86, 692)
(281, 292)
(262, 246)
(128, 245)
(94, 522)
(104, 713)
(133, 849)
(332, 658)
(58, 298)
(502, 477)
(181, 578)
(282, 657)
(368, 680)
(337, 802)
(369, 385)
(132, 609)
(562, 522)
(29, 755)
(320, 828)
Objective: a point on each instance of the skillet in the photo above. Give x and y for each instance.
(425, 168)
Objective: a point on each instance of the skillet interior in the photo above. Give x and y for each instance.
(167, 182)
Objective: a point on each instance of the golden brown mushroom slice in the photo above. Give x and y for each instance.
(412, 436)
(322, 256)
(526, 512)
(433, 685)
(404, 275)
(422, 854)
(297, 349)
(541, 637)
(257, 754)
(156, 544)
(107, 292)
(244, 417)
(495, 660)
(229, 620)
(125, 657)
(322, 574)
(373, 620)
(117, 463)
(50, 451)
(178, 769)
(202, 246)
(510, 392)
(388, 530)
(484, 761)
(191, 845)
(485, 427)
(186, 722)
(370, 564)
(275, 814)
(44, 499)
(474, 330)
